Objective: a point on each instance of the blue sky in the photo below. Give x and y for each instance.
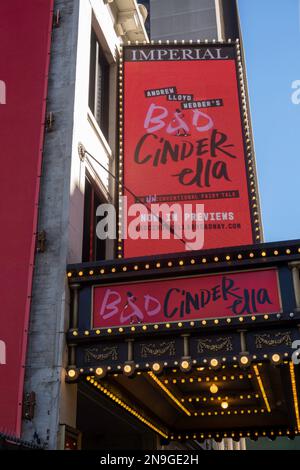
(271, 36)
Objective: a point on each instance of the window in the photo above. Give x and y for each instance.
(93, 248)
(99, 85)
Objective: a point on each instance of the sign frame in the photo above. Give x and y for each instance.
(174, 322)
(248, 147)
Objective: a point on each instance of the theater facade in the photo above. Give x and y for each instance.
(197, 345)
(180, 331)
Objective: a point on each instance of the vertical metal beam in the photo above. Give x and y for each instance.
(243, 444)
(73, 322)
(186, 345)
(236, 445)
(296, 282)
(229, 444)
(219, 20)
(130, 350)
(75, 306)
(72, 355)
(243, 340)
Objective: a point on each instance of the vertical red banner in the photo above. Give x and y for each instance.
(25, 38)
(184, 144)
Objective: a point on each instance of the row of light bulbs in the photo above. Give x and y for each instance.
(180, 263)
(138, 328)
(185, 366)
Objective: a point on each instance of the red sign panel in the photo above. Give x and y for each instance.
(183, 144)
(25, 33)
(194, 298)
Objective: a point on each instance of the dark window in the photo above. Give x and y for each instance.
(93, 248)
(99, 85)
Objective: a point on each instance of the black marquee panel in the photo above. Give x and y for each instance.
(175, 376)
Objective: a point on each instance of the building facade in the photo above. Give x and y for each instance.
(176, 20)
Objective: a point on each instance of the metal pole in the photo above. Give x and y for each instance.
(75, 305)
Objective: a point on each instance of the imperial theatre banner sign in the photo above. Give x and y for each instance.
(185, 140)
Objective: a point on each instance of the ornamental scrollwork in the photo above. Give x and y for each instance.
(166, 347)
(215, 345)
(269, 339)
(101, 354)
